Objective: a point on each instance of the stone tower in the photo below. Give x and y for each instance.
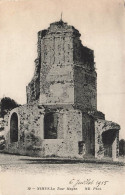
(64, 73)
(61, 118)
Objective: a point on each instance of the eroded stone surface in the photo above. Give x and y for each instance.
(61, 117)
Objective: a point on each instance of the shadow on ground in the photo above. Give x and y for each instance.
(67, 161)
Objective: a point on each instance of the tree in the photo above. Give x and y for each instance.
(7, 104)
(122, 147)
(2, 142)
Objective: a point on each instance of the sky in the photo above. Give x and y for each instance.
(102, 28)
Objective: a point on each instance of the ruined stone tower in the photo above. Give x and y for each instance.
(65, 73)
(61, 118)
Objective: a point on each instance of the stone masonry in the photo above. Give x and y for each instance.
(60, 118)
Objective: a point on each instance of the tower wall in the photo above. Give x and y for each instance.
(33, 88)
(67, 74)
(56, 75)
(85, 90)
(61, 117)
(85, 77)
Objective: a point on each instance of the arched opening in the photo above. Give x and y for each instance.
(108, 138)
(14, 128)
(50, 126)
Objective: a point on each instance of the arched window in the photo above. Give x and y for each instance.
(14, 128)
(50, 126)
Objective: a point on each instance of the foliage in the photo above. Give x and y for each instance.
(2, 142)
(122, 147)
(7, 104)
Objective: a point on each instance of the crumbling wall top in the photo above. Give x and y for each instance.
(59, 27)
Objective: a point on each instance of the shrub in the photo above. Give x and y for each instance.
(122, 147)
(7, 104)
(2, 142)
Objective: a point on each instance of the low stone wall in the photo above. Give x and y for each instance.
(28, 123)
(31, 140)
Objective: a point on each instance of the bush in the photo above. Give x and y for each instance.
(7, 104)
(2, 142)
(122, 147)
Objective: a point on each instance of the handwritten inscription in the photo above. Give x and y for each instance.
(74, 185)
(89, 184)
